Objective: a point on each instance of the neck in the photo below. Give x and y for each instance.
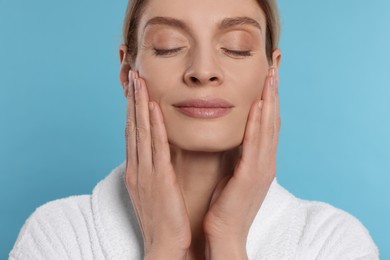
(198, 173)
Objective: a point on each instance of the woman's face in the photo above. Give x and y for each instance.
(207, 50)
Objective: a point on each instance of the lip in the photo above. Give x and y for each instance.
(204, 108)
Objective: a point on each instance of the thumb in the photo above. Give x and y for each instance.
(218, 189)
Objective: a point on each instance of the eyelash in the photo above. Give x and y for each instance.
(238, 53)
(160, 52)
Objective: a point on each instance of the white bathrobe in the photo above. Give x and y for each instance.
(104, 226)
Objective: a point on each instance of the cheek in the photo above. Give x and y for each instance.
(159, 77)
(250, 89)
(252, 85)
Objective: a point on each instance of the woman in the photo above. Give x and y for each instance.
(201, 80)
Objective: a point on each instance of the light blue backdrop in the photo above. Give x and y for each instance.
(62, 111)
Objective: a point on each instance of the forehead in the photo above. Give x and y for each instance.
(202, 15)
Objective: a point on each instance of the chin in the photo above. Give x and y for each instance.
(198, 142)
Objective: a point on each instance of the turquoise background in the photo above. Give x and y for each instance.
(62, 111)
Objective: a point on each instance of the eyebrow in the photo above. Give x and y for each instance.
(224, 24)
(243, 20)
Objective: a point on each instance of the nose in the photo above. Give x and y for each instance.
(203, 70)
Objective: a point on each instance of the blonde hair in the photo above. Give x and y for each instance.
(135, 9)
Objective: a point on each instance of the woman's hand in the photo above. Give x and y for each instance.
(150, 178)
(237, 200)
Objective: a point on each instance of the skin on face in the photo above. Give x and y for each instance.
(201, 66)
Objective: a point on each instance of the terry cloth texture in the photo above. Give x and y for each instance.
(104, 226)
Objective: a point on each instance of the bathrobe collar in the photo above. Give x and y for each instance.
(121, 238)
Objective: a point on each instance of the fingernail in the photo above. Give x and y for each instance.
(130, 73)
(260, 104)
(135, 74)
(151, 106)
(136, 85)
(128, 84)
(272, 81)
(272, 72)
(125, 87)
(124, 83)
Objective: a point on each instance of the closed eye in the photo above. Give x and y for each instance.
(237, 53)
(162, 52)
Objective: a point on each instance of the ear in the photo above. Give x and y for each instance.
(125, 67)
(276, 57)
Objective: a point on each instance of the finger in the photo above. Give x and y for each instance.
(131, 176)
(267, 117)
(125, 80)
(160, 146)
(251, 141)
(143, 138)
(219, 189)
(130, 131)
(131, 146)
(277, 123)
(252, 137)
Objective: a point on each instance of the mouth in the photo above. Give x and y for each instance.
(204, 108)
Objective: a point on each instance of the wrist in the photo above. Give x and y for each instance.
(165, 254)
(221, 250)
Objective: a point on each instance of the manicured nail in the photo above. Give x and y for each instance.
(127, 86)
(260, 104)
(272, 81)
(137, 85)
(125, 83)
(135, 74)
(272, 72)
(151, 106)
